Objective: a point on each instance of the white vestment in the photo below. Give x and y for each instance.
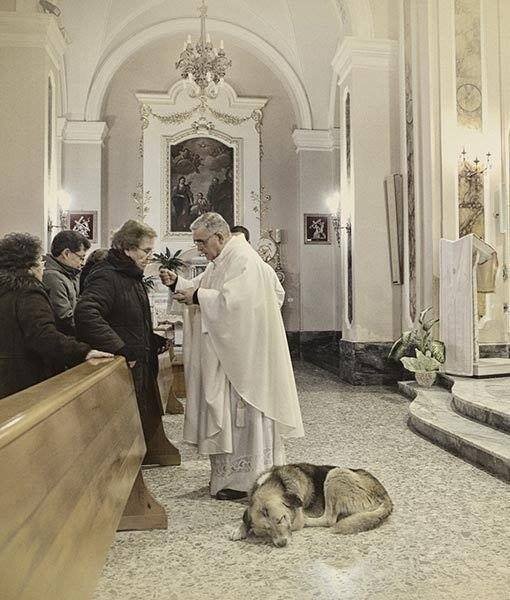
(241, 394)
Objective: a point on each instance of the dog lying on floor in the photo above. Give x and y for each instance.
(353, 500)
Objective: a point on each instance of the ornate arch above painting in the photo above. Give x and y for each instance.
(199, 154)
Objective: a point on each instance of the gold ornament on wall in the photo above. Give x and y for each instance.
(142, 201)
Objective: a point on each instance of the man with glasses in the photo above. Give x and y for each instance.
(241, 394)
(62, 276)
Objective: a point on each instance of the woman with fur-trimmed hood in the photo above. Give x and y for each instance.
(31, 347)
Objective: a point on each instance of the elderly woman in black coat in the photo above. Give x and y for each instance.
(113, 313)
(31, 347)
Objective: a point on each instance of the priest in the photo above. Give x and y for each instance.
(241, 394)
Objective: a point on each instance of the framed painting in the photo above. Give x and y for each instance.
(201, 173)
(317, 228)
(84, 222)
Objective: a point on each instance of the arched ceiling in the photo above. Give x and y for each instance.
(304, 34)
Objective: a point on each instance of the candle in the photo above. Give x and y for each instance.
(278, 235)
(208, 38)
(222, 45)
(189, 39)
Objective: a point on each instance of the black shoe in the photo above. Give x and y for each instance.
(228, 494)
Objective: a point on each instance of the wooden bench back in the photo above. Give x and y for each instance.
(70, 450)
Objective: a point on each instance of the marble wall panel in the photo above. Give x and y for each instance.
(468, 61)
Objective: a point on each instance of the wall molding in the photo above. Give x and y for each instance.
(362, 53)
(85, 132)
(316, 140)
(23, 30)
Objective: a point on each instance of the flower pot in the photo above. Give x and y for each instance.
(425, 378)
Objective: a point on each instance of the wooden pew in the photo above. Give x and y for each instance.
(70, 450)
(167, 382)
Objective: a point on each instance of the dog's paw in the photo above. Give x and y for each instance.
(238, 533)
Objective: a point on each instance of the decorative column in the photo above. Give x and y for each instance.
(370, 152)
(82, 173)
(316, 150)
(31, 71)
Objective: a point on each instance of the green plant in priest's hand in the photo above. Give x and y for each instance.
(421, 339)
(169, 261)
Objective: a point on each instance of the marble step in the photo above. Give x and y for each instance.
(431, 414)
(486, 367)
(484, 400)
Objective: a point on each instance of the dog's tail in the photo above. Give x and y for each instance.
(363, 521)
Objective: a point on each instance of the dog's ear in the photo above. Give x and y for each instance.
(247, 519)
(292, 500)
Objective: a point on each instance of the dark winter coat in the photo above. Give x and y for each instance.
(31, 347)
(62, 283)
(113, 314)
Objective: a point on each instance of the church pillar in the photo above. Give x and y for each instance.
(82, 171)
(31, 72)
(316, 150)
(370, 152)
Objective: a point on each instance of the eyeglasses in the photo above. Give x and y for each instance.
(80, 256)
(146, 251)
(203, 242)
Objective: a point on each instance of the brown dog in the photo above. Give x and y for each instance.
(353, 499)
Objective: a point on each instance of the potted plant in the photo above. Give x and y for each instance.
(424, 367)
(429, 354)
(169, 261)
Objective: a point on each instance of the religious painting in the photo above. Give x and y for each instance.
(317, 229)
(84, 222)
(201, 174)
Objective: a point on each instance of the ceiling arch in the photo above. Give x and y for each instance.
(252, 42)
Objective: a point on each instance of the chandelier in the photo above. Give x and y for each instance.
(202, 65)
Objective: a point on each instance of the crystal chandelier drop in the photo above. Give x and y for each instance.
(202, 65)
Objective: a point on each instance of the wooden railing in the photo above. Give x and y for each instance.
(70, 455)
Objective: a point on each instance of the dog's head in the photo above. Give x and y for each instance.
(270, 515)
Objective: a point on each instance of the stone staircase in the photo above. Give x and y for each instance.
(468, 417)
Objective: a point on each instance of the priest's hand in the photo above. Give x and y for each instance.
(185, 296)
(167, 277)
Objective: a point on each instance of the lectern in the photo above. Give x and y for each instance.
(460, 263)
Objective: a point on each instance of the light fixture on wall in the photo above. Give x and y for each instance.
(336, 220)
(63, 206)
(475, 167)
(202, 65)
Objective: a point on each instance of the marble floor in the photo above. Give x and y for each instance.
(448, 538)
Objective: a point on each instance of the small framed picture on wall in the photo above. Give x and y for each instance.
(317, 229)
(84, 222)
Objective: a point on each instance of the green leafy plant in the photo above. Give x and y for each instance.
(169, 261)
(422, 362)
(420, 338)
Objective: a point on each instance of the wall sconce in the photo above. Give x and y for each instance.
(63, 205)
(333, 203)
(475, 167)
(336, 221)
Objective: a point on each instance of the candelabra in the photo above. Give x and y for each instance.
(202, 65)
(475, 167)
